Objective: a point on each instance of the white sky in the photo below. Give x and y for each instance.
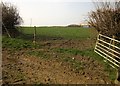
(52, 12)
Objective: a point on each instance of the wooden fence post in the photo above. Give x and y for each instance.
(113, 43)
(117, 81)
(97, 41)
(34, 39)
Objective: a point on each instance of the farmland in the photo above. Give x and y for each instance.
(63, 55)
(63, 32)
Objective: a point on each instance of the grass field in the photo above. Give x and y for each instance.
(61, 32)
(72, 45)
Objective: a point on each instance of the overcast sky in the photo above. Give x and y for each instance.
(53, 12)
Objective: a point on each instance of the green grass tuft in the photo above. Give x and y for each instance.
(17, 44)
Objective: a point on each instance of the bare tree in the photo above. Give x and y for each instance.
(106, 17)
(10, 19)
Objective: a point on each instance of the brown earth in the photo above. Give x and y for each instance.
(19, 67)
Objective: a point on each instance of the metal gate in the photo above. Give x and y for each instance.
(108, 48)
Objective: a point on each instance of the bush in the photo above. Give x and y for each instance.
(106, 18)
(10, 19)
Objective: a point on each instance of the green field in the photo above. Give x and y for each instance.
(60, 32)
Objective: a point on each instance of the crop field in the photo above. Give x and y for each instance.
(60, 32)
(61, 55)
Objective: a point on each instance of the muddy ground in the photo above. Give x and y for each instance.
(20, 67)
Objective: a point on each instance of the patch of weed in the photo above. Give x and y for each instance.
(88, 53)
(40, 54)
(17, 44)
(112, 72)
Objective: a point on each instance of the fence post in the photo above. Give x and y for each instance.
(117, 81)
(113, 42)
(34, 39)
(97, 41)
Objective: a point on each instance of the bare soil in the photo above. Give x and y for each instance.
(20, 68)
